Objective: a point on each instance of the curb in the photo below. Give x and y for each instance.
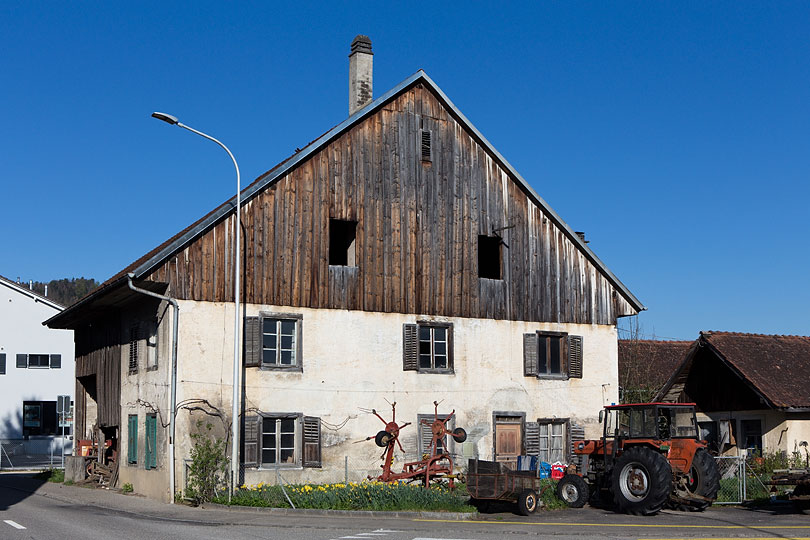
(456, 516)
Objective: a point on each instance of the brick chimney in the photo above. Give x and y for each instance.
(360, 73)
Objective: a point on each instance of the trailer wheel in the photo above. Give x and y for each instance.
(382, 439)
(703, 480)
(802, 505)
(573, 490)
(459, 435)
(642, 481)
(527, 502)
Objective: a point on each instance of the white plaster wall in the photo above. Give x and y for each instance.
(21, 331)
(352, 361)
(781, 431)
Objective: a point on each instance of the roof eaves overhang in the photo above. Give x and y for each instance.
(64, 319)
(275, 174)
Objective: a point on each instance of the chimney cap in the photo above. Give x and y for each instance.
(362, 44)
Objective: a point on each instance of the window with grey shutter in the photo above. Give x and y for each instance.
(532, 439)
(134, 336)
(253, 342)
(2, 363)
(250, 441)
(410, 347)
(22, 361)
(575, 357)
(426, 145)
(312, 441)
(530, 354)
(56, 361)
(425, 432)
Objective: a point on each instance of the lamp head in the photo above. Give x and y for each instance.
(169, 119)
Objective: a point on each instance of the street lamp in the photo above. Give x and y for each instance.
(235, 409)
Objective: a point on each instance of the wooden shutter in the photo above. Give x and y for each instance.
(253, 342)
(250, 441)
(150, 452)
(426, 145)
(56, 361)
(575, 357)
(312, 441)
(2, 363)
(22, 361)
(530, 354)
(132, 439)
(532, 441)
(410, 347)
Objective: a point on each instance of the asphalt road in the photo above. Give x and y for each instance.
(34, 510)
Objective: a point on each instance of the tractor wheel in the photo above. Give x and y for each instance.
(459, 435)
(704, 480)
(642, 481)
(573, 490)
(382, 439)
(527, 502)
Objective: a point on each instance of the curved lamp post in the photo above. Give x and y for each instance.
(237, 257)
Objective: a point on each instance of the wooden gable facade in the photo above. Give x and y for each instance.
(421, 185)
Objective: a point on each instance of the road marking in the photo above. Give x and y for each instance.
(13, 524)
(636, 525)
(736, 538)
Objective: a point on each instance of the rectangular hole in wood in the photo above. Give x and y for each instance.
(342, 242)
(489, 257)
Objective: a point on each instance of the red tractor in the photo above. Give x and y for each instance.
(650, 455)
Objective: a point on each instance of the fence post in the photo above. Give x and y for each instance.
(345, 469)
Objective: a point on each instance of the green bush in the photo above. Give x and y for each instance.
(353, 496)
(208, 469)
(52, 475)
(127, 488)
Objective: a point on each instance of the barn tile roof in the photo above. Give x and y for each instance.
(650, 362)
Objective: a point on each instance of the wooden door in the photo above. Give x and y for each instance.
(508, 442)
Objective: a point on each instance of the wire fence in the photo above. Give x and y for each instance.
(21, 454)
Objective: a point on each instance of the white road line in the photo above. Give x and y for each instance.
(372, 534)
(13, 524)
(421, 538)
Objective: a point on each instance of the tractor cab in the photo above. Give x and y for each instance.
(653, 421)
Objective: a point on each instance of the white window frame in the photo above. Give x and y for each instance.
(297, 342)
(448, 343)
(297, 440)
(547, 447)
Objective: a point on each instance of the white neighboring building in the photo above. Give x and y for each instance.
(36, 364)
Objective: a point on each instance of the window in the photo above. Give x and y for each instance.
(426, 146)
(39, 418)
(53, 361)
(152, 349)
(424, 424)
(2, 363)
(547, 439)
(552, 355)
(751, 434)
(273, 341)
(132, 439)
(134, 338)
(428, 347)
(342, 242)
(150, 452)
(489, 257)
(281, 440)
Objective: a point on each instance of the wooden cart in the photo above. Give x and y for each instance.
(492, 481)
(800, 479)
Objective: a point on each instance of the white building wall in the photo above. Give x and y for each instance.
(21, 331)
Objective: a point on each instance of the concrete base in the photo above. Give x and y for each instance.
(74, 468)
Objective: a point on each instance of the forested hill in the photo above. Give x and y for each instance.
(65, 291)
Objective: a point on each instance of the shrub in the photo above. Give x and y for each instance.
(127, 488)
(353, 496)
(52, 475)
(208, 469)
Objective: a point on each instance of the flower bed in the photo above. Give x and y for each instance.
(353, 496)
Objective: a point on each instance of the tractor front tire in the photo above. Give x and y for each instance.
(641, 481)
(527, 502)
(704, 480)
(573, 490)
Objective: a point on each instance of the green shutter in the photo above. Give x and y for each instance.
(132, 439)
(150, 453)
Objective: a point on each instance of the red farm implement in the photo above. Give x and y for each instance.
(436, 462)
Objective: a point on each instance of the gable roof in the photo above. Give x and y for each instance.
(144, 265)
(25, 291)
(650, 362)
(776, 367)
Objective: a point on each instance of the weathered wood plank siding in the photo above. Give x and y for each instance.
(98, 353)
(417, 232)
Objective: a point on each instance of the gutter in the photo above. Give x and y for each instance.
(172, 375)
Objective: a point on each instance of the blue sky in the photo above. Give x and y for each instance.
(675, 134)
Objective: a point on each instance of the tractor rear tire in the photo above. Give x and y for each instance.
(704, 480)
(459, 435)
(641, 481)
(382, 439)
(573, 490)
(527, 502)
